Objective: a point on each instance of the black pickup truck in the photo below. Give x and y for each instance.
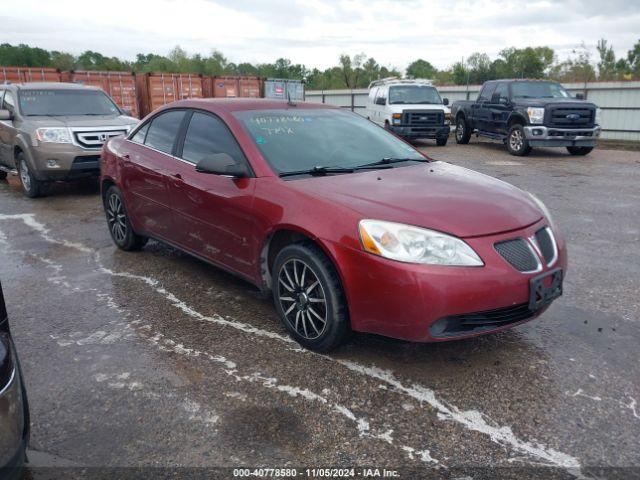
(528, 113)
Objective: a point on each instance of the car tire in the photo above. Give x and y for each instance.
(307, 292)
(442, 141)
(579, 151)
(517, 143)
(31, 186)
(463, 132)
(3, 175)
(120, 228)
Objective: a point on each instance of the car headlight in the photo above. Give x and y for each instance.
(536, 115)
(406, 243)
(545, 211)
(396, 118)
(53, 135)
(598, 116)
(447, 118)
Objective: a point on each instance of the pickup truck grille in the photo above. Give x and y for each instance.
(571, 117)
(420, 119)
(95, 139)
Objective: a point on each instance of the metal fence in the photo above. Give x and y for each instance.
(619, 101)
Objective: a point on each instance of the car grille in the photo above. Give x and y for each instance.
(518, 253)
(546, 244)
(567, 117)
(424, 118)
(480, 321)
(95, 139)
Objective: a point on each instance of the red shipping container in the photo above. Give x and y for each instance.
(121, 86)
(237, 86)
(29, 74)
(158, 89)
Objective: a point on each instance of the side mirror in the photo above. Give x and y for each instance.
(128, 112)
(445, 101)
(381, 101)
(580, 96)
(221, 164)
(503, 101)
(6, 115)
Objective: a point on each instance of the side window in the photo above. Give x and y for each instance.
(487, 91)
(380, 97)
(373, 93)
(163, 131)
(1, 99)
(208, 135)
(9, 103)
(141, 133)
(502, 90)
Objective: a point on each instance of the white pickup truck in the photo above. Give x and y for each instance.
(411, 109)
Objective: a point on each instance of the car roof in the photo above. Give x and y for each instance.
(50, 86)
(243, 104)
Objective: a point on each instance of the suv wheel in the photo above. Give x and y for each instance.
(517, 144)
(579, 150)
(442, 141)
(309, 298)
(120, 227)
(31, 186)
(463, 132)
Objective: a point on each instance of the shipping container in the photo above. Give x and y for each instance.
(284, 89)
(158, 89)
(29, 74)
(235, 86)
(121, 86)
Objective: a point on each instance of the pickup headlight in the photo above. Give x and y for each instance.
(447, 118)
(536, 115)
(53, 135)
(598, 116)
(406, 243)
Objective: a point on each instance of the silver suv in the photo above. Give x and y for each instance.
(54, 132)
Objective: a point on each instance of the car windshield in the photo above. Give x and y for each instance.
(66, 102)
(414, 94)
(295, 140)
(538, 90)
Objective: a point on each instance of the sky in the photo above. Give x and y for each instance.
(315, 32)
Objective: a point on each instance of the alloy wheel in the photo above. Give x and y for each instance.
(516, 140)
(25, 177)
(460, 130)
(302, 299)
(116, 218)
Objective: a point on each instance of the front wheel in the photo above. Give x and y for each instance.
(309, 298)
(463, 132)
(442, 141)
(580, 151)
(120, 227)
(517, 143)
(31, 186)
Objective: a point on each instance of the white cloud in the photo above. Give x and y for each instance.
(316, 32)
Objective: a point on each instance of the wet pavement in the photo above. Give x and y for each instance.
(157, 359)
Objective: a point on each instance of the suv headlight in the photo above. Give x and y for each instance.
(536, 115)
(53, 135)
(598, 116)
(406, 243)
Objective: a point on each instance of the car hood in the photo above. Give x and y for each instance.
(434, 195)
(82, 121)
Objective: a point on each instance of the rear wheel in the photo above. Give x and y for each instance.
(579, 150)
(517, 144)
(463, 132)
(442, 141)
(309, 298)
(31, 186)
(120, 227)
(3, 174)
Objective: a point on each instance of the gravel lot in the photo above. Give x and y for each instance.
(156, 359)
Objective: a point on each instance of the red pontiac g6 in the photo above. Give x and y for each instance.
(349, 227)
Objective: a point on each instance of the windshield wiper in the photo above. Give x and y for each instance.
(387, 161)
(317, 171)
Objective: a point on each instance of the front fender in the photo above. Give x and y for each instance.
(22, 142)
(517, 117)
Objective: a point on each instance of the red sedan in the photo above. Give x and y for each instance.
(349, 227)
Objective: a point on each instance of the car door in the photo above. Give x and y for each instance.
(7, 130)
(483, 107)
(146, 164)
(499, 109)
(213, 212)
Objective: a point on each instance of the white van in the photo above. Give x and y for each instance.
(410, 108)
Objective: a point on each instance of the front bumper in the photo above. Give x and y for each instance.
(414, 131)
(71, 161)
(403, 300)
(541, 136)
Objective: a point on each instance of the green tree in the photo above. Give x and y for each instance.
(607, 68)
(421, 69)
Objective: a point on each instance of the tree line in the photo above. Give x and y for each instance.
(355, 71)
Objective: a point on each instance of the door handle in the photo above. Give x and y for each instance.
(177, 176)
(126, 157)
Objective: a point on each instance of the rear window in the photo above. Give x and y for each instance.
(66, 103)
